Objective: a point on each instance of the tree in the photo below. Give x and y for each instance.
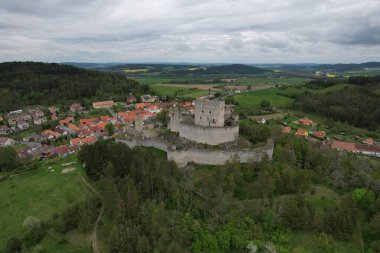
(363, 198)
(14, 245)
(265, 104)
(110, 128)
(163, 116)
(325, 243)
(8, 159)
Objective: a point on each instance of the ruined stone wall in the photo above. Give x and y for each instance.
(209, 113)
(155, 143)
(228, 112)
(209, 135)
(203, 156)
(220, 157)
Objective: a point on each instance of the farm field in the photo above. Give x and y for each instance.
(184, 91)
(253, 80)
(41, 193)
(191, 86)
(253, 98)
(278, 97)
(271, 80)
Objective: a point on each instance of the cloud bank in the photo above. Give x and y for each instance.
(245, 31)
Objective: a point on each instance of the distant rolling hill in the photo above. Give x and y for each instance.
(233, 69)
(150, 67)
(348, 67)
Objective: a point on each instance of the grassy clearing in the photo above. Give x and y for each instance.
(51, 244)
(39, 193)
(306, 242)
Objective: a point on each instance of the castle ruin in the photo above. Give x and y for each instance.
(212, 122)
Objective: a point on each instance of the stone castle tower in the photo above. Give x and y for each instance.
(209, 113)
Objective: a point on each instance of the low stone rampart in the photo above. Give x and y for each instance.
(205, 156)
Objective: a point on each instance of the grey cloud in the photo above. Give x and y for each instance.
(190, 30)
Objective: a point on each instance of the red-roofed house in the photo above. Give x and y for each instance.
(131, 99)
(79, 141)
(102, 126)
(286, 129)
(75, 141)
(369, 141)
(306, 122)
(146, 115)
(103, 104)
(319, 134)
(154, 108)
(73, 127)
(88, 140)
(85, 132)
(141, 105)
(88, 122)
(108, 119)
(343, 145)
(66, 121)
(51, 134)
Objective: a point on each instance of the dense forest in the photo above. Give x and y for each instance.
(233, 69)
(29, 83)
(152, 206)
(358, 106)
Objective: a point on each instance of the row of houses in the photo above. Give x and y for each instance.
(366, 149)
(368, 146)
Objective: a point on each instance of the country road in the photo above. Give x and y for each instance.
(94, 235)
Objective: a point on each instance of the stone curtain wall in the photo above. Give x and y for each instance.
(201, 156)
(220, 157)
(209, 135)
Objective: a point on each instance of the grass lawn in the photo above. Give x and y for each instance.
(51, 244)
(40, 193)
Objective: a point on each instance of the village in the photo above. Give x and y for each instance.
(72, 128)
(109, 119)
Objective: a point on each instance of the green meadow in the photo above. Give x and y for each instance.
(180, 91)
(41, 193)
(271, 80)
(279, 97)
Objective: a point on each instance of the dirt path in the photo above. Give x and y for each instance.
(94, 237)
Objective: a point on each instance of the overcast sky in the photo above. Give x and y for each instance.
(230, 31)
